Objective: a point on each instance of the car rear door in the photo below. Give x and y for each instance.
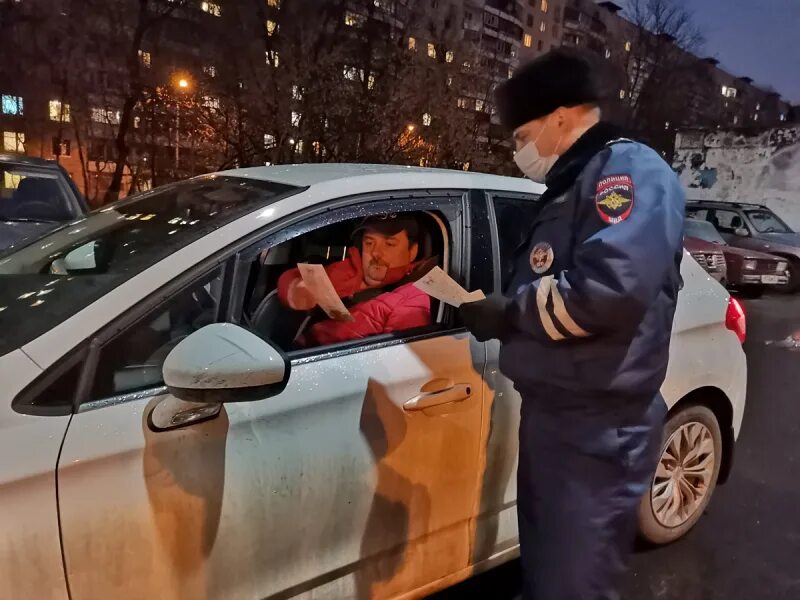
(341, 486)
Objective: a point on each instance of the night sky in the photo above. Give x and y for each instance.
(756, 38)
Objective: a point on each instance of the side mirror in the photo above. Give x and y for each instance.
(92, 257)
(222, 362)
(741, 232)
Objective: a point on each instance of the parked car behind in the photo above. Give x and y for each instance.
(708, 255)
(746, 270)
(161, 436)
(753, 227)
(36, 196)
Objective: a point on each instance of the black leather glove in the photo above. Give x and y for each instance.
(486, 319)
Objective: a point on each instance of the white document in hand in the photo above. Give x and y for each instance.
(320, 286)
(444, 288)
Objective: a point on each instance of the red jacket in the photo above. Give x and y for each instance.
(405, 307)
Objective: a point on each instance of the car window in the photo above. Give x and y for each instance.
(30, 195)
(370, 263)
(727, 221)
(765, 221)
(47, 282)
(132, 360)
(515, 217)
(697, 213)
(703, 230)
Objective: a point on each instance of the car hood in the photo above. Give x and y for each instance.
(693, 244)
(787, 239)
(16, 233)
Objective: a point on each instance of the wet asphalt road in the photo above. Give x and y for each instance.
(747, 545)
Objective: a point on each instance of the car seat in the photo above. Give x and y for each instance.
(39, 199)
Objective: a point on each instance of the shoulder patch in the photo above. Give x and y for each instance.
(614, 198)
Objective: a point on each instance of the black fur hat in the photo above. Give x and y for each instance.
(562, 77)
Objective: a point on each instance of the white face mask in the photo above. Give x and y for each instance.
(531, 163)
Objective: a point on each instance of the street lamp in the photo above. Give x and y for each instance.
(411, 127)
(182, 84)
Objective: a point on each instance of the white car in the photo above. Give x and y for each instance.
(383, 467)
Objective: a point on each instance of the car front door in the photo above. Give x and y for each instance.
(341, 486)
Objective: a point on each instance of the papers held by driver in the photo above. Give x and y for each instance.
(321, 288)
(444, 288)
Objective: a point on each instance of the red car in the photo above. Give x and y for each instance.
(746, 270)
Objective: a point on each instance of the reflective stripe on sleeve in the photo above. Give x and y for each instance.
(563, 316)
(542, 292)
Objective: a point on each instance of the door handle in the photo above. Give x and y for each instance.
(438, 392)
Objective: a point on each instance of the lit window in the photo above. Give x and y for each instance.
(462, 103)
(59, 111)
(729, 92)
(735, 120)
(449, 81)
(755, 117)
(426, 119)
(296, 116)
(412, 43)
(137, 122)
(13, 141)
(510, 72)
(61, 147)
(527, 40)
(622, 94)
(144, 57)
(479, 105)
(608, 53)
(783, 117)
(12, 105)
(350, 73)
(297, 92)
(467, 65)
(272, 27)
(353, 19)
(542, 26)
(269, 141)
(211, 8)
(210, 102)
(544, 6)
(299, 146)
(274, 3)
(210, 70)
(628, 46)
(431, 51)
(758, 106)
(449, 57)
(105, 116)
(371, 82)
(666, 125)
(273, 58)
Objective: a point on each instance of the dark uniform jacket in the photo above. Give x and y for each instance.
(595, 284)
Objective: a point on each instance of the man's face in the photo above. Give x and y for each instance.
(381, 252)
(546, 132)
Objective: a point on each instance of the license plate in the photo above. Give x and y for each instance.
(769, 279)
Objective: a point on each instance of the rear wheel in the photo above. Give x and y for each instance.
(751, 291)
(686, 476)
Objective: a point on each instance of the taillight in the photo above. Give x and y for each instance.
(735, 319)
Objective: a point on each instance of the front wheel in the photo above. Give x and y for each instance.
(686, 477)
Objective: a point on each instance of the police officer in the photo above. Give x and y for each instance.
(585, 326)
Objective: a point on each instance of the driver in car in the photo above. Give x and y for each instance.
(375, 282)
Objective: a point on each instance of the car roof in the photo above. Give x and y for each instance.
(724, 204)
(384, 177)
(34, 161)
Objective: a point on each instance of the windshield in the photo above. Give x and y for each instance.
(765, 221)
(28, 194)
(51, 279)
(703, 230)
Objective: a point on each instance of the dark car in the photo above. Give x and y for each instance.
(747, 270)
(36, 196)
(753, 227)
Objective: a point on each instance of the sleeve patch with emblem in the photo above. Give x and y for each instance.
(614, 198)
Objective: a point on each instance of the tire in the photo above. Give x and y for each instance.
(684, 431)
